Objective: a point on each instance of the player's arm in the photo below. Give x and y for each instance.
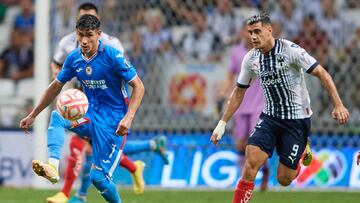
(135, 101)
(232, 105)
(48, 96)
(55, 69)
(243, 82)
(339, 112)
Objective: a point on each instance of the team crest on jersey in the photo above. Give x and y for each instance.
(281, 60)
(88, 70)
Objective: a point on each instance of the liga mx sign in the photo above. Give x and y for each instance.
(194, 162)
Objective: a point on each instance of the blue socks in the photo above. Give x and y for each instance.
(133, 147)
(85, 176)
(105, 186)
(56, 134)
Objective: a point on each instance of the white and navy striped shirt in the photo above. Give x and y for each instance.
(281, 74)
(69, 43)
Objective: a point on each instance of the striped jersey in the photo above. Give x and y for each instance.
(69, 43)
(281, 74)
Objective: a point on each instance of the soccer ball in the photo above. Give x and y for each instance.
(72, 104)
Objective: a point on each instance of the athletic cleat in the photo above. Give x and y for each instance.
(47, 171)
(77, 199)
(307, 155)
(138, 178)
(59, 197)
(160, 148)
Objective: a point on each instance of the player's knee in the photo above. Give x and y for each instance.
(98, 179)
(284, 179)
(56, 119)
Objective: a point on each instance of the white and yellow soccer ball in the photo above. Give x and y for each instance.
(72, 104)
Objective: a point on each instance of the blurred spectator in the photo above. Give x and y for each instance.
(64, 18)
(16, 62)
(313, 39)
(289, 16)
(310, 7)
(277, 29)
(354, 45)
(137, 55)
(25, 21)
(3, 8)
(200, 43)
(223, 20)
(111, 16)
(335, 26)
(156, 38)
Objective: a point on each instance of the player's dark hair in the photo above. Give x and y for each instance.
(88, 22)
(88, 6)
(262, 17)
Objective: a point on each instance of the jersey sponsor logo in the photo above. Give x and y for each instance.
(95, 84)
(78, 70)
(88, 70)
(271, 81)
(119, 55)
(265, 73)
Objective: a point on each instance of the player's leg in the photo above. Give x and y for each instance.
(105, 186)
(85, 181)
(74, 164)
(158, 145)
(261, 145)
(253, 118)
(135, 168)
(290, 147)
(56, 136)
(255, 158)
(107, 149)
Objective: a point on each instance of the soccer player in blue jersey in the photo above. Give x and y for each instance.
(285, 121)
(77, 145)
(104, 74)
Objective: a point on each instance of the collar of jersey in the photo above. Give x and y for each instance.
(100, 49)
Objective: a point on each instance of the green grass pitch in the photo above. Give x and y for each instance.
(9, 195)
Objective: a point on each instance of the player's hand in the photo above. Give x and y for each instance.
(124, 126)
(25, 123)
(358, 159)
(218, 132)
(341, 114)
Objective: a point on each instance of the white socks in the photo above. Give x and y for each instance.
(54, 162)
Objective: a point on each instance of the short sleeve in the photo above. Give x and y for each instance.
(115, 42)
(302, 58)
(60, 53)
(67, 72)
(123, 67)
(246, 75)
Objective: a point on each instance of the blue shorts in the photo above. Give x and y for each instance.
(288, 136)
(104, 141)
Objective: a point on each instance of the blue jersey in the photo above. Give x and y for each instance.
(103, 78)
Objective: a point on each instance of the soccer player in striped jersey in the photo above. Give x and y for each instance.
(284, 124)
(77, 145)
